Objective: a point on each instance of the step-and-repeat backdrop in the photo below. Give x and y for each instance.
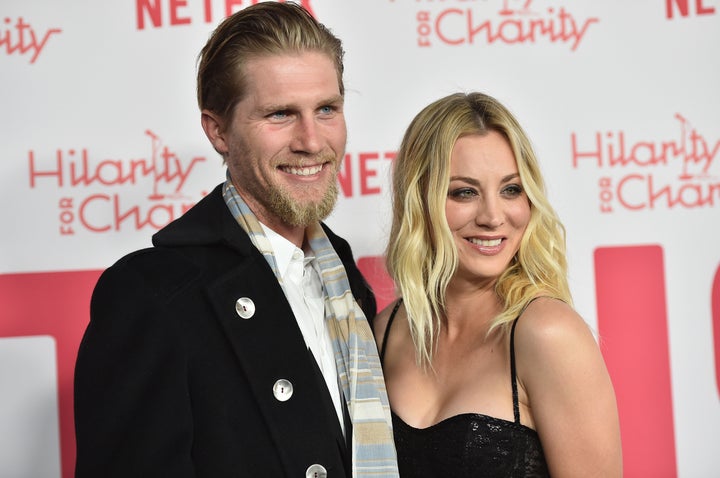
(101, 146)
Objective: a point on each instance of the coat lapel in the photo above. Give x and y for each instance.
(267, 343)
(270, 347)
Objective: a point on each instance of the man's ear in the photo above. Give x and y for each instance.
(214, 129)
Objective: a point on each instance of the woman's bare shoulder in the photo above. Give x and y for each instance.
(548, 334)
(561, 369)
(547, 321)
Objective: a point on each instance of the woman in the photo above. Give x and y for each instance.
(489, 370)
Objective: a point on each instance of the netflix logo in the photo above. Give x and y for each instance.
(171, 13)
(365, 174)
(686, 8)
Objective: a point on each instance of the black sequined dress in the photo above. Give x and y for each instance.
(470, 444)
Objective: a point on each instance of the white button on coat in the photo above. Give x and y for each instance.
(316, 471)
(283, 390)
(245, 307)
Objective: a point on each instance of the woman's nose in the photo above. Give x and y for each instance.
(489, 213)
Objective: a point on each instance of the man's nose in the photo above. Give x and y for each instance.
(305, 136)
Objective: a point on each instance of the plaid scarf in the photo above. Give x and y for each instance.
(356, 356)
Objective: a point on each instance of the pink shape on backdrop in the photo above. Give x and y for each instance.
(55, 304)
(715, 293)
(632, 323)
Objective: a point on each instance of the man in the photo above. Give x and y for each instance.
(236, 345)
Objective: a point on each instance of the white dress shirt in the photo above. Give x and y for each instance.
(303, 289)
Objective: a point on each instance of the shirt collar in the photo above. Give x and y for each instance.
(283, 250)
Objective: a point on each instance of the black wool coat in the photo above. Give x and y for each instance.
(171, 381)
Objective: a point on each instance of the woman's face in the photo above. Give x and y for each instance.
(486, 208)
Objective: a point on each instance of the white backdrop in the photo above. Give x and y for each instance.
(102, 145)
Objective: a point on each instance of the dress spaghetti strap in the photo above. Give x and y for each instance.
(513, 374)
(387, 329)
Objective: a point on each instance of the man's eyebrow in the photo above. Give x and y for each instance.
(272, 107)
(335, 99)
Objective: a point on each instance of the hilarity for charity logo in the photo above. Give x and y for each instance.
(510, 22)
(19, 36)
(641, 174)
(100, 196)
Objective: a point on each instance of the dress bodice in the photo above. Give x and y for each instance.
(469, 444)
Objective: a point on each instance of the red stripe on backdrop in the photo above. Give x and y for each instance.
(55, 304)
(632, 322)
(716, 324)
(375, 273)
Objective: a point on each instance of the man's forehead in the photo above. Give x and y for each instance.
(279, 83)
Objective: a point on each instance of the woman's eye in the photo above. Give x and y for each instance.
(462, 193)
(512, 190)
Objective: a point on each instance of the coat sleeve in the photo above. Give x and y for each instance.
(132, 410)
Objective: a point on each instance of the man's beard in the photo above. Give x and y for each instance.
(296, 214)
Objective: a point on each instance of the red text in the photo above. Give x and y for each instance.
(638, 192)
(161, 13)
(20, 37)
(610, 149)
(369, 168)
(683, 6)
(99, 213)
(456, 26)
(73, 168)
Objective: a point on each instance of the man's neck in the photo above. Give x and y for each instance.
(294, 234)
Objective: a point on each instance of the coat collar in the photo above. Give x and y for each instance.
(209, 222)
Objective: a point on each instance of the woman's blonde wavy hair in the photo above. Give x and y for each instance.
(421, 254)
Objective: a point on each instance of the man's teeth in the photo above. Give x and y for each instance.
(306, 171)
(485, 242)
